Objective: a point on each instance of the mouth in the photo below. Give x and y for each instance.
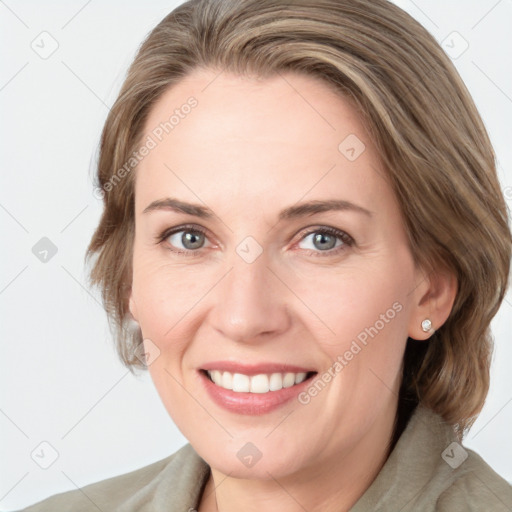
(250, 389)
(253, 388)
(260, 383)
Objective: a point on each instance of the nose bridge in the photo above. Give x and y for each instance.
(250, 301)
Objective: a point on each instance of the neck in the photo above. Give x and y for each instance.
(334, 483)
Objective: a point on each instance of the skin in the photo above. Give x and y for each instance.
(251, 148)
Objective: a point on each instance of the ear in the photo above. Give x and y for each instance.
(434, 296)
(133, 307)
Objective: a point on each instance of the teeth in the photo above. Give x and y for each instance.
(226, 380)
(241, 383)
(289, 380)
(299, 377)
(276, 382)
(261, 383)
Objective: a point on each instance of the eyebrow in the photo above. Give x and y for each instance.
(300, 210)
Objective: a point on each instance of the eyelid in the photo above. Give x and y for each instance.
(347, 240)
(319, 228)
(166, 233)
(162, 237)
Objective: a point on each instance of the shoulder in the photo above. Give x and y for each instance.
(177, 478)
(429, 470)
(475, 487)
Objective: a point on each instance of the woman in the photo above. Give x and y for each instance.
(304, 241)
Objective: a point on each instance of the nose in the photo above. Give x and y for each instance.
(250, 302)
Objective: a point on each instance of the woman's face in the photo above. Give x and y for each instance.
(292, 260)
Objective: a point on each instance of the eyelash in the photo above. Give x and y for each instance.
(347, 240)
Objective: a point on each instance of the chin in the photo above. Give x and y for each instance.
(263, 459)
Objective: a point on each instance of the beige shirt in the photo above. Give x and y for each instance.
(425, 472)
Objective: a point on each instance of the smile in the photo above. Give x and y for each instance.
(261, 383)
(253, 388)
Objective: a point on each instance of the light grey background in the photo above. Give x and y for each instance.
(61, 381)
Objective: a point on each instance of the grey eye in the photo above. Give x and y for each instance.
(189, 239)
(321, 241)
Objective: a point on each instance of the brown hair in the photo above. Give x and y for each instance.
(431, 139)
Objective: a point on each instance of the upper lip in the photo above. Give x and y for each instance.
(254, 369)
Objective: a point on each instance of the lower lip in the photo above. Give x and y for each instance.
(251, 403)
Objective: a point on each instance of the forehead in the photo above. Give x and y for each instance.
(279, 138)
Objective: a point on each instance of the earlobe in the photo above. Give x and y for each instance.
(433, 303)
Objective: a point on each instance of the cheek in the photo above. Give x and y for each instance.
(357, 301)
(364, 312)
(165, 293)
(165, 296)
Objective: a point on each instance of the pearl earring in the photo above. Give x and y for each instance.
(426, 325)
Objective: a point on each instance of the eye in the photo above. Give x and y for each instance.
(326, 240)
(186, 240)
(321, 241)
